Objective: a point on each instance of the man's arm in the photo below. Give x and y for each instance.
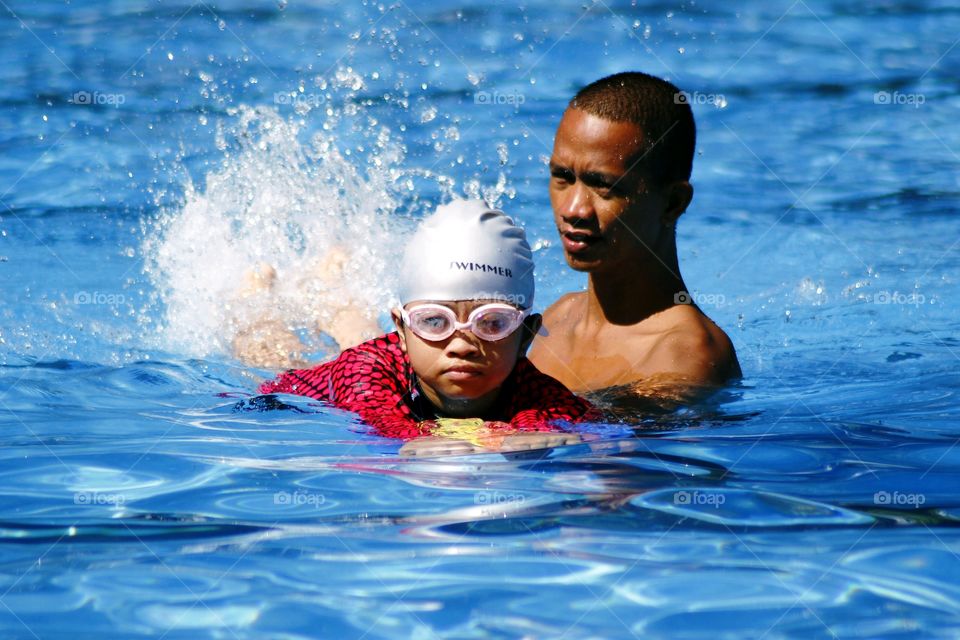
(689, 364)
(670, 359)
(700, 353)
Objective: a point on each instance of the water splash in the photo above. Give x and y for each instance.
(283, 230)
(294, 236)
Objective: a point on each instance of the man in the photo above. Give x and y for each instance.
(619, 180)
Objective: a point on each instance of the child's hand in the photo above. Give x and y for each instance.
(439, 446)
(537, 440)
(268, 344)
(490, 439)
(502, 437)
(258, 279)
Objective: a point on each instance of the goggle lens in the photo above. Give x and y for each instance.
(490, 322)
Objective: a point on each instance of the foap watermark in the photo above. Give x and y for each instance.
(513, 299)
(100, 99)
(496, 98)
(94, 498)
(895, 97)
(897, 499)
(298, 99)
(299, 498)
(699, 299)
(496, 498)
(98, 297)
(699, 498)
(913, 298)
(698, 98)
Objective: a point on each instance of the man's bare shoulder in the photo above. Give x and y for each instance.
(553, 349)
(559, 322)
(682, 356)
(692, 346)
(563, 311)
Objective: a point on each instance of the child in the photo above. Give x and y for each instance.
(462, 331)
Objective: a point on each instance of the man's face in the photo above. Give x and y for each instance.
(607, 212)
(462, 367)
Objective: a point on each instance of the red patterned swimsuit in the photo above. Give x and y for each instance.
(375, 380)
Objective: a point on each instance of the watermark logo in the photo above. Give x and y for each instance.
(514, 299)
(299, 498)
(88, 498)
(699, 299)
(298, 99)
(98, 297)
(698, 98)
(89, 98)
(897, 499)
(699, 498)
(895, 97)
(895, 297)
(498, 498)
(496, 98)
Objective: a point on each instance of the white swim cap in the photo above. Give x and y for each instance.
(468, 251)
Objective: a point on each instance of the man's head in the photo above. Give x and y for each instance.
(659, 109)
(466, 290)
(620, 171)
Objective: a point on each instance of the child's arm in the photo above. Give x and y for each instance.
(369, 380)
(311, 383)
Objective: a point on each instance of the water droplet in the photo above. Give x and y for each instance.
(428, 115)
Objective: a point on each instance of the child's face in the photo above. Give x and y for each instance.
(461, 374)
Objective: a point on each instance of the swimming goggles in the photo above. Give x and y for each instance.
(490, 322)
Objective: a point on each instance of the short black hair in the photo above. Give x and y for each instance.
(659, 108)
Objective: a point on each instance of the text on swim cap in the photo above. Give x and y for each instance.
(487, 268)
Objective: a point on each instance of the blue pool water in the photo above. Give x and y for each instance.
(152, 151)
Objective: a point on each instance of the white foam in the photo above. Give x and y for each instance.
(283, 202)
(282, 198)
